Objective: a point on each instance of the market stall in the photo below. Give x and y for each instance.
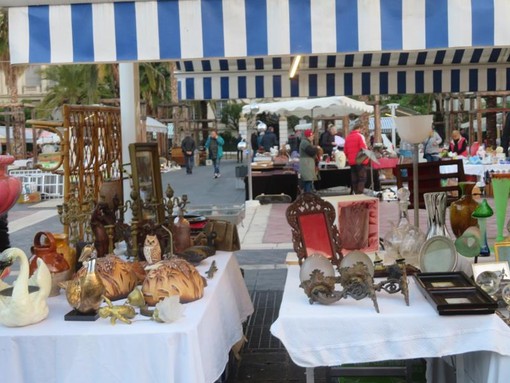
(352, 331)
(195, 348)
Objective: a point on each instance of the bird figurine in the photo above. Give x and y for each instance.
(24, 303)
(85, 293)
(152, 249)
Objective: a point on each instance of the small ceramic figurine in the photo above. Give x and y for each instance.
(24, 303)
(152, 249)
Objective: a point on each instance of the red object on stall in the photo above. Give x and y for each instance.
(10, 187)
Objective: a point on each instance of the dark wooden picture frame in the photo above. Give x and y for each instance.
(145, 171)
(312, 222)
(454, 294)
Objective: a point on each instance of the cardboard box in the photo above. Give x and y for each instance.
(29, 197)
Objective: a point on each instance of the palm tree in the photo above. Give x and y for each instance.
(11, 75)
(154, 85)
(76, 84)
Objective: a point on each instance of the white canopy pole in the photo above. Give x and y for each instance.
(129, 116)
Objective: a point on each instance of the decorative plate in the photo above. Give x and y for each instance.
(438, 254)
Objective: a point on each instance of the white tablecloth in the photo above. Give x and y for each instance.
(351, 331)
(193, 349)
(477, 170)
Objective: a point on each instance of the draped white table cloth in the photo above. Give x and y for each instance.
(193, 349)
(351, 331)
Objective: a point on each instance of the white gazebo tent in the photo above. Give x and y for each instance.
(326, 107)
(337, 106)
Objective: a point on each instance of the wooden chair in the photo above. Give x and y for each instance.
(438, 176)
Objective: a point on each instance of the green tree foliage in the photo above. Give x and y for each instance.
(421, 103)
(230, 114)
(154, 85)
(72, 84)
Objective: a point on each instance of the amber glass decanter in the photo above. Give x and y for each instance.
(462, 209)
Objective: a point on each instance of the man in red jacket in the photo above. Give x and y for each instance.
(355, 142)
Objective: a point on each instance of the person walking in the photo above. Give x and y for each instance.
(431, 146)
(354, 143)
(307, 157)
(254, 141)
(188, 150)
(214, 145)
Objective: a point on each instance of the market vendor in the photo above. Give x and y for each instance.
(458, 144)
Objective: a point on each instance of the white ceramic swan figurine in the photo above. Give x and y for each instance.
(22, 308)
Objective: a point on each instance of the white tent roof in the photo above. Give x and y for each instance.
(325, 106)
(153, 125)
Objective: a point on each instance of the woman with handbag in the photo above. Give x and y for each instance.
(356, 158)
(307, 156)
(215, 144)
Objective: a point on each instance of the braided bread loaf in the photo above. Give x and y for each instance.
(173, 276)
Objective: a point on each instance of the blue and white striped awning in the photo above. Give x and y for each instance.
(433, 71)
(195, 29)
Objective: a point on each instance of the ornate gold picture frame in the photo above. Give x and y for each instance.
(146, 175)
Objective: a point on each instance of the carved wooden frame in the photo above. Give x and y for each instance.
(311, 204)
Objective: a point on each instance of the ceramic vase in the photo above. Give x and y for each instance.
(181, 234)
(69, 252)
(10, 187)
(45, 248)
(461, 210)
(435, 203)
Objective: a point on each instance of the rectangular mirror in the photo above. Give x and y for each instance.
(146, 175)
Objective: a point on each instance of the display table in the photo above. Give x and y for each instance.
(333, 177)
(193, 349)
(477, 170)
(273, 182)
(351, 331)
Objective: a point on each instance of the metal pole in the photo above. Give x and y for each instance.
(416, 198)
(250, 181)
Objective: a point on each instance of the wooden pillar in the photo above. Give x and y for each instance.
(377, 121)
(345, 125)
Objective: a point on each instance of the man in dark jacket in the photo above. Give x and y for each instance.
(327, 140)
(269, 139)
(188, 149)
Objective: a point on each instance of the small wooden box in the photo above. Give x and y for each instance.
(29, 197)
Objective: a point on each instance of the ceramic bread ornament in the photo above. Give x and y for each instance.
(25, 302)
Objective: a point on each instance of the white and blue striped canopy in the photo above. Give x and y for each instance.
(433, 71)
(357, 40)
(192, 29)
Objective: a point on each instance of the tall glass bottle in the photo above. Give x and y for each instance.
(404, 240)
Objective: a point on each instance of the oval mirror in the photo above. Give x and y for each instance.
(438, 254)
